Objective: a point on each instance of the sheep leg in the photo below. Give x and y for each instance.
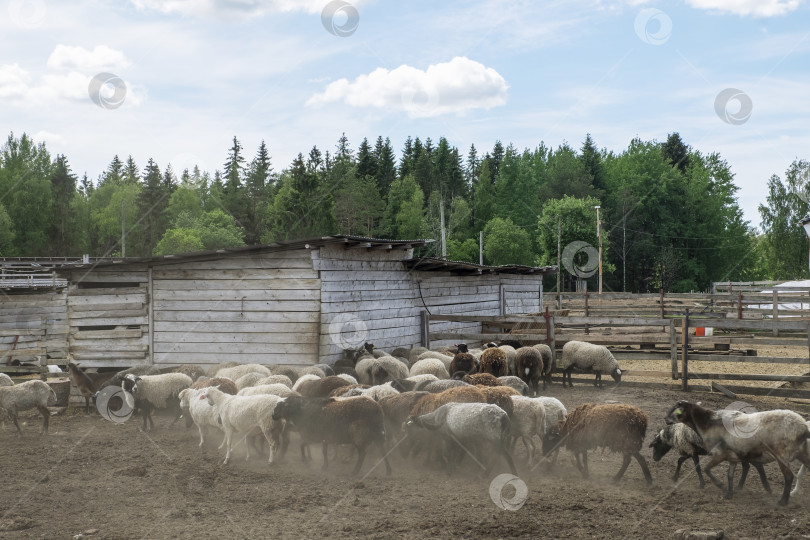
(764, 479)
(529, 445)
(731, 467)
(585, 473)
(285, 441)
(87, 404)
(678, 467)
(625, 464)
(46, 416)
(381, 447)
(745, 468)
(228, 434)
(202, 436)
(799, 476)
(271, 441)
(788, 474)
(644, 468)
(708, 470)
(697, 468)
(361, 456)
(13, 416)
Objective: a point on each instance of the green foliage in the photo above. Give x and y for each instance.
(180, 240)
(462, 251)
(506, 243)
(207, 231)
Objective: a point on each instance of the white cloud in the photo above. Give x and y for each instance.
(13, 81)
(48, 137)
(757, 8)
(237, 8)
(101, 58)
(455, 87)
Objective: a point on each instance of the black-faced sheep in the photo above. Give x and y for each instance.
(463, 361)
(494, 361)
(732, 435)
(529, 368)
(588, 357)
(468, 425)
(157, 392)
(616, 427)
(357, 421)
(24, 396)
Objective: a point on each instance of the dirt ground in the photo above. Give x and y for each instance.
(112, 481)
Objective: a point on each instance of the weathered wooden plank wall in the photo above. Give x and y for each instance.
(251, 308)
(108, 317)
(33, 326)
(376, 299)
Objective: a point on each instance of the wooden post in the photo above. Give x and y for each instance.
(587, 312)
(739, 304)
(776, 312)
(808, 339)
(662, 303)
(684, 352)
(151, 318)
(553, 344)
(425, 328)
(673, 349)
(502, 298)
(548, 327)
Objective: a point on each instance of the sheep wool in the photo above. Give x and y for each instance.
(303, 379)
(529, 367)
(237, 371)
(158, 389)
(249, 379)
(430, 366)
(226, 385)
(24, 396)
(434, 387)
(589, 357)
(516, 383)
(494, 361)
(5, 380)
(276, 379)
(275, 389)
(387, 368)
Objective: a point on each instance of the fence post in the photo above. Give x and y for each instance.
(662, 304)
(553, 344)
(547, 317)
(587, 312)
(775, 312)
(739, 304)
(673, 349)
(684, 352)
(808, 338)
(425, 329)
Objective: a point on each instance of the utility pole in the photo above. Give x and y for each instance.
(123, 228)
(441, 217)
(559, 234)
(599, 235)
(481, 248)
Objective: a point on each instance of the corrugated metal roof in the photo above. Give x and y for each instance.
(433, 263)
(283, 245)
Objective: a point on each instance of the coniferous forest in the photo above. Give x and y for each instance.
(670, 217)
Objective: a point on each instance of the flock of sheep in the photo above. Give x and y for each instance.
(444, 404)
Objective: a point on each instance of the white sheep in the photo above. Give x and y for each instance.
(378, 392)
(589, 357)
(314, 370)
(200, 411)
(246, 415)
(275, 379)
(515, 382)
(469, 424)
(347, 377)
(387, 368)
(304, 378)
(156, 392)
(555, 411)
(249, 379)
(5, 380)
(363, 367)
(276, 389)
(548, 360)
(24, 396)
(732, 435)
(445, 359)
(510, 357)
(430, 366)
(235, 372)
(528, 421)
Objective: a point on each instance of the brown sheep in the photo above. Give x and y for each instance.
(500, 396)
(87, 383)
(396, 410)
(462, 394)
(529, 367)
(290, 372)
(616, 427)
(322, 387)
(463, 361)
(192, 370)
(548, 362)
(357, 421)
(494, 361)
(480, 379)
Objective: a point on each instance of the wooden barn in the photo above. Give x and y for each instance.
(291, 302)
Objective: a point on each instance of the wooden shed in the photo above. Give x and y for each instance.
(293, 302)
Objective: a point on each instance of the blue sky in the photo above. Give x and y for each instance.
(198, 72)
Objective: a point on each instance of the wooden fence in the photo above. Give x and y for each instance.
(659, 338)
